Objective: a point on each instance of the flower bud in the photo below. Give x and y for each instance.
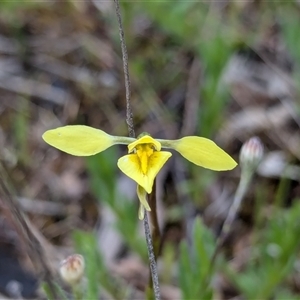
(251, 153)
(72, 269)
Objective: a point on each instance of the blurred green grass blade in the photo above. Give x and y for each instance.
(102, 169)
(168, 258)
(86, 244)
(194, 263)
(97, 272)
(285, 294)
(203, 247)
(246, 282)
(282, 192)
(59, 291)
(185, 272)
(273, 255)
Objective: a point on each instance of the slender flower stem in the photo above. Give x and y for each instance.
(129, 115)
(129, 121)
(152, 260)
(250, 156)
(155, 232)
(245, 180)
(77, 292)
(238, 197)
(154, 221)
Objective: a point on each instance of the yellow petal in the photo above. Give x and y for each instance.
(156, 162)
(79, 140)
(146, 139)
(142, 195)
(130, 165)
(141, 212)
(203, 152)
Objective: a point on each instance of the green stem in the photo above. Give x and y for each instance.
(246, 177)
(123, 140)
(239, 195)
(77, 292)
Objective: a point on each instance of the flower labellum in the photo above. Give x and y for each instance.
(144, 161)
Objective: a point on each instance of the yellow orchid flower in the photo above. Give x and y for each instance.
(144, 159)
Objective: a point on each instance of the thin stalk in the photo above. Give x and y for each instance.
(77, 292)
(155, 233)
(238, 197)
(154, 221)
(129, 121)
(129, 114)
(152, 260)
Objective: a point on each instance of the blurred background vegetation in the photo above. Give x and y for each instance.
(225, 70)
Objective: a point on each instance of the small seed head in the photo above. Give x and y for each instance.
(72, 269)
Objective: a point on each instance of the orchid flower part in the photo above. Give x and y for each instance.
(142, 195)
(144, 159)
(202, 152)
(79, 140)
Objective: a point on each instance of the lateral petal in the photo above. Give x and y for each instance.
(79, 140)
(203, 152)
